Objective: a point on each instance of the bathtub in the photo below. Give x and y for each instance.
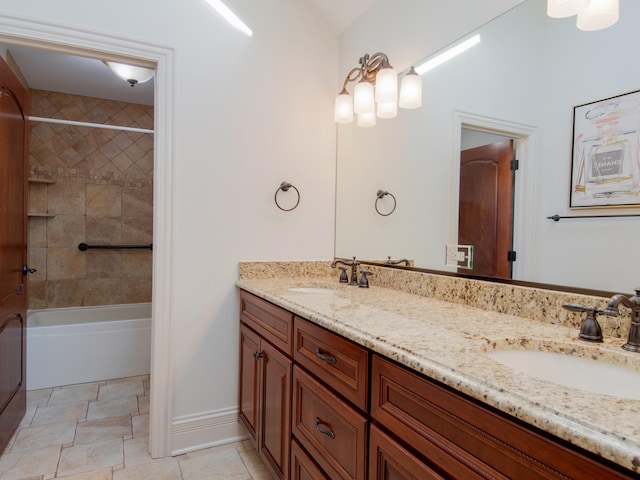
(73, 345)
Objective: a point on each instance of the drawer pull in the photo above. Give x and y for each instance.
(327, 358)
(258, 355)
(324, 431)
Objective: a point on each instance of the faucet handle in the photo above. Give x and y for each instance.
(344, 278)
(590, 329)
(364, 281)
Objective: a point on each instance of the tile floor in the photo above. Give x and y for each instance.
(100, 431)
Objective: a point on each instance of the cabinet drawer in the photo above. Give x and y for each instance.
(302, 467)
(388, 460)
(333, 433)
(272, 323)
(467, 440)
(341, 364)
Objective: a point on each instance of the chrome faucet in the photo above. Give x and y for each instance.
(347, 263)
(632, 302)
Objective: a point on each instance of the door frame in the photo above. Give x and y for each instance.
(61, 38)
(525, 137)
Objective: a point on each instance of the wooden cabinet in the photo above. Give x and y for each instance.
(302, 466)
(464, 439)
(265, 383)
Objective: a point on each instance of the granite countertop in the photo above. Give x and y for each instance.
(448, 342)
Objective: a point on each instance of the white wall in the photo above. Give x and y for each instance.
(411, 156)
(249, 113)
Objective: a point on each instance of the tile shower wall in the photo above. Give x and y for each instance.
(101, 193)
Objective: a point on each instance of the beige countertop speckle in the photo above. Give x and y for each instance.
(448, 341)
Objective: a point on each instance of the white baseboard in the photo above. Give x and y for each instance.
(209, 429)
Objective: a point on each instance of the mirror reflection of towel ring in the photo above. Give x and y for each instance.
(381, 194)
(285, 186)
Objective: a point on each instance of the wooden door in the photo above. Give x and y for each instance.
(13, 252)
(486, 207)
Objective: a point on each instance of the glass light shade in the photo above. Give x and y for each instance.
(387, 85)
(343, 112)
(411, 90)
(387, 110)
(598, 15)
(130, 73)
(565, 8)
(366, 119)
(363, 98)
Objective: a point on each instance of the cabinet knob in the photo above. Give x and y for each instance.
(258, 355)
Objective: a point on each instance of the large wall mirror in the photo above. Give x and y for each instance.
(523, 81)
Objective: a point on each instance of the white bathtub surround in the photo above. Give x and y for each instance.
(67, 346)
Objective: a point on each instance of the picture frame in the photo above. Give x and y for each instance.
(605, 160)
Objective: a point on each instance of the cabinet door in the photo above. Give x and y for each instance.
(249, 382)
(302, 467)
(390, 461)
(275, 434)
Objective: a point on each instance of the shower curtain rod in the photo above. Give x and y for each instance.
(87, 124)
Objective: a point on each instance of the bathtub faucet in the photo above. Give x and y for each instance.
(632, 302)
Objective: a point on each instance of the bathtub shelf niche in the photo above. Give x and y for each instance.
(41, 180)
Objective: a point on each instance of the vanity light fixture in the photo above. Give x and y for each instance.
(230, 17)
(131, 73)
(591, 14)
(376, 93)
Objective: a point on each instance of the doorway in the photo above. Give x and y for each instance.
(61, 38)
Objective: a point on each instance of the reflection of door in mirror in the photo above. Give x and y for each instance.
(485, 211)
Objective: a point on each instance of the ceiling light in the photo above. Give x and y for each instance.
(230, 17)
(130, 73)
(592, 14)
(447, 55)
(565, 8)
(376, 92)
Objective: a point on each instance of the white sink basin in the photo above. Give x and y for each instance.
(576, 372)
(313, 290)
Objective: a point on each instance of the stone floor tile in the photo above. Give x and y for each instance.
(136, 452)
(112, 408)
(38, 397)
(76, 393)
(92, 456)
(40, 436)
(29, 463)
(254, 465)
(140, 425)
(163, 469)
(121, 390)
(218, 465)
(60, 413)
(105, 474)
(109, 428)
(143, 404)
(28, 416)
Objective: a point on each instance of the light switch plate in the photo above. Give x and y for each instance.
(460, 256)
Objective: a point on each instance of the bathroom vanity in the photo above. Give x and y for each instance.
(339, 382)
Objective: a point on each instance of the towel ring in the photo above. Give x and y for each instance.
(381, 194)
(285, 186)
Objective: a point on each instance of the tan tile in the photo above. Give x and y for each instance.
(65, 264)
(112, 408)
(38, 397)
(136, 451)
(28, 416)
(136, 290)
(65, 231)
(137, 263)
(163, 469)
(38, 197)
(60, 413)
(66, 198)
(137, 202)
(104, 200)
(104, 429)
(38, 260)
(103, 230)
(74, 393)
(37, 232)
(41, 436)
(140, 425)
(105, 474)
(219, 465)
(137, 230)
(254, 465)
(37, 294)
(18, 465)
(92, 456)
(64, 293)
(121, 389)
(103, 291)
(103, 264)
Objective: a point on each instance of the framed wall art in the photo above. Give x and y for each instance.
(605, 163)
